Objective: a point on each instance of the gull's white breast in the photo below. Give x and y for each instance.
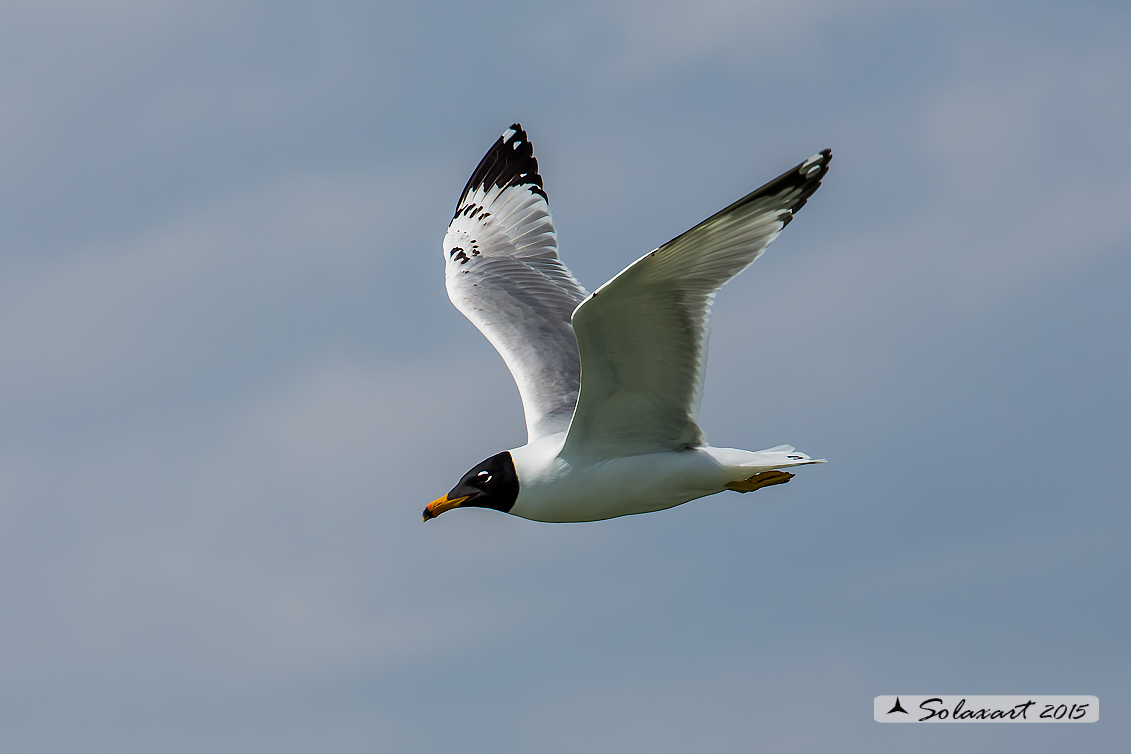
(560, 490)
(556, 489)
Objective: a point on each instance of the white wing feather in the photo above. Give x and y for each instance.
(643, 335)
(503, 273)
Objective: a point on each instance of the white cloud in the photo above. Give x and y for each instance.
(262, 540)
(58, 58)
(119, 312)
(209, 549)
(635, 39)
(1018, 203)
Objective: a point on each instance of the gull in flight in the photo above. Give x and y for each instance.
(610, 381)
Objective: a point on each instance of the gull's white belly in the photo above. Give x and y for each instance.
(562, 491)
(557, 490)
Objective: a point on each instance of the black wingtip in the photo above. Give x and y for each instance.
(509, 162)
(801, 181)
(807, 176)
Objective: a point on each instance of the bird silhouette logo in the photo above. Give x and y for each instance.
(898, 708)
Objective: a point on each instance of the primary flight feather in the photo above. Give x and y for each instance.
(610, 381)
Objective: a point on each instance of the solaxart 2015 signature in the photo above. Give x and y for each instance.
(919, 708)
(934, 708)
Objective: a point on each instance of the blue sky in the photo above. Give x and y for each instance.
(230, 378)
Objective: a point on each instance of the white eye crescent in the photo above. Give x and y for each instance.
(483, 476)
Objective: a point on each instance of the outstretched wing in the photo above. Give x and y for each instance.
(643, 335)
(504, 274)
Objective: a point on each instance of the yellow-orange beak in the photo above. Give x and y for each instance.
(436, 507)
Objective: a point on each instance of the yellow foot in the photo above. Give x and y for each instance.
(758, 481)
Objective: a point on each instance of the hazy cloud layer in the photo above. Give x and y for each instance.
(230, 378)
